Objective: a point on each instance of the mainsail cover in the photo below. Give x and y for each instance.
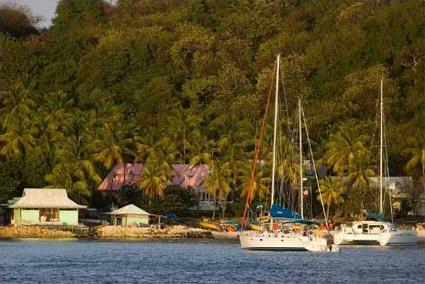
(277, 211)
(374, 215)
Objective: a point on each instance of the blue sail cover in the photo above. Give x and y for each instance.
(278, 211)
(373, 215)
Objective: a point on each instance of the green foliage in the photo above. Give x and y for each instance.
(162, 82)
(177, 200)
(17, 21)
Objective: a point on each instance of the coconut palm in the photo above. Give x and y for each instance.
(416, 153)
(157, 156)
(47, 132)
(74, 154)
(359, 171)
(216, 182)
(202, 151)
(16, 141)
(261, 185)
(71, 177)
(111, 147)
(342, 147)
(17, 105)
(155, 177)
(16, 112)
(331, 190)
(183, 126)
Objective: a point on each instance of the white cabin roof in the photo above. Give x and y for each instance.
(45, 198)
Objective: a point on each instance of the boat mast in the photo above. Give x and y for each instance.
(301, 158)
(276, 109)
(381, 151)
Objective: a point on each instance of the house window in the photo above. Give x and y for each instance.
(49, 215)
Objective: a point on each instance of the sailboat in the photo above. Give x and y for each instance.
(285, 238)
(376, 232)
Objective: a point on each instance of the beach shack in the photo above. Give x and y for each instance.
(44, 206)
(129, 215)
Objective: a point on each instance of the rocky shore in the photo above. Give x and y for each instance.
(34, 232)
(171, 232)
(105, 232)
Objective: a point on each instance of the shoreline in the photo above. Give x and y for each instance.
(105, 233)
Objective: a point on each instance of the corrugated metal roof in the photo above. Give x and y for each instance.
(129, 209)
(46, 198)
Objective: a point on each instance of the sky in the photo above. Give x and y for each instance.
(44, 8)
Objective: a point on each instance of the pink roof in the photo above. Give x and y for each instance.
(184, 175)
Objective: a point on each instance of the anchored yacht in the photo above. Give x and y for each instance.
(374, 232)
(272, 238)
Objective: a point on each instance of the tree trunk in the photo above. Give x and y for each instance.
(327, 209)
(184, 145)
(215, 203)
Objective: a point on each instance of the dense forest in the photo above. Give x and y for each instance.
(179, 81)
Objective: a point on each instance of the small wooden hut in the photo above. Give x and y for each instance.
(129, 215)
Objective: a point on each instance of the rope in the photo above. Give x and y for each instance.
(314, 167)
(249, 195)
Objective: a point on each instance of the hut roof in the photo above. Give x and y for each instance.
(45, 198)
(129, 209)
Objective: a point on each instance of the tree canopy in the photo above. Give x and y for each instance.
(182, 81)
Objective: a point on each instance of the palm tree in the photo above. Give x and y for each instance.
(71, 177)
(359, 171)
(202, 151)
(261, 185)
(182, 125)
(342, 147)
(331, 190)
(16, 142)
(47, 134)
(157, 156)
(17, 122)
(111, 147)
(156, 176)
(75, 169)
(216, 182)
(17, 105)
(416, 153)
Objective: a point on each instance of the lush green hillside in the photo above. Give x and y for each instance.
(186, 81)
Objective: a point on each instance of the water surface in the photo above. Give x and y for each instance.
(201, 262)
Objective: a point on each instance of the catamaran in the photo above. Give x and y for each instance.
(280, 235)
(376, 232)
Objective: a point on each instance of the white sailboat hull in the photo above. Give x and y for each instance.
(385, 237)
(282, 242)
(399, 237)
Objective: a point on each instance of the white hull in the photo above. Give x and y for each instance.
(282, 242)
(388, 238)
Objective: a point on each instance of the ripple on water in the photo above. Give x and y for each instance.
(193, 262)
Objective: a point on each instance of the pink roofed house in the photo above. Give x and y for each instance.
(184, 175)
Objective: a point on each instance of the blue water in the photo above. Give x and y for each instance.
(201, 262)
